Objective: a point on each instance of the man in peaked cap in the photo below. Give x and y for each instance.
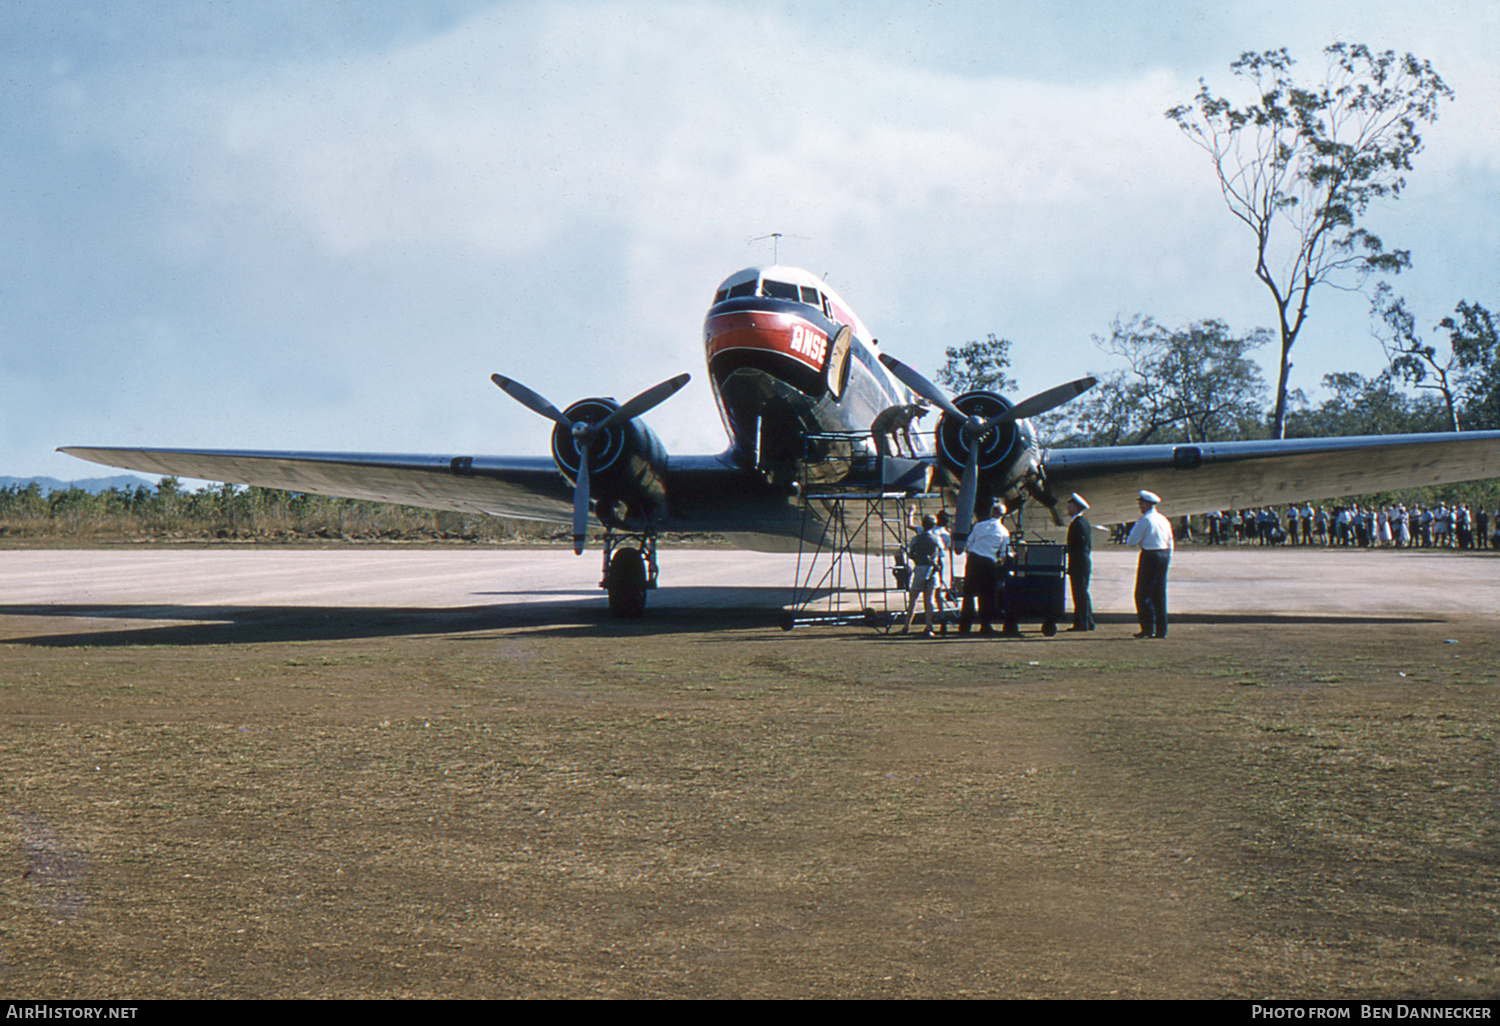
(989, 542)
(1153, 533)
(1080, 563)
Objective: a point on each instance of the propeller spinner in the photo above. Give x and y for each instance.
(976, 428)
(584, 432)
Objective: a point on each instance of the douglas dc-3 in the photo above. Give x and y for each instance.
(796, 375)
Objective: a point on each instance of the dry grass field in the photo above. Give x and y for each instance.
(372, 803)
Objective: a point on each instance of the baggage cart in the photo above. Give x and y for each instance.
(1031, 586)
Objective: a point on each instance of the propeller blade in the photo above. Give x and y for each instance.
(529, 399)
(1048, 400)
(583, 434)
(967, 488)
(581, 500)
(920, 385)
(647, 400)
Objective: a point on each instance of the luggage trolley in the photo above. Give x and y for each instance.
(1031, 586)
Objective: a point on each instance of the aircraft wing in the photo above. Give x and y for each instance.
(527, 488)
(1238, 475)
(709, 493)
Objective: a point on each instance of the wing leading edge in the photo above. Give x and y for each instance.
(528, 488)
(1239, 475)
(709, 493)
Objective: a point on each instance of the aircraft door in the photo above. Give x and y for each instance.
(837, 370)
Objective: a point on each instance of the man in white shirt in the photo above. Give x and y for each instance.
(989, 542)
(1153, 533)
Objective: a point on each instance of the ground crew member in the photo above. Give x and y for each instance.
(1153, 533)
(988, 543)
(926, 552)
(1080, 563)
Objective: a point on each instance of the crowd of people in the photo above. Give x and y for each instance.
(1443, 526)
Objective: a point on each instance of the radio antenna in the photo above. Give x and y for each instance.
(776, 238)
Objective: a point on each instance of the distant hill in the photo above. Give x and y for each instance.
(94, 485)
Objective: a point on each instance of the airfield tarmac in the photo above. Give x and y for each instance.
(436, 772)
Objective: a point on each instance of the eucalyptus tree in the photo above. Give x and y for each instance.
(1197, 383)
(1300, 163)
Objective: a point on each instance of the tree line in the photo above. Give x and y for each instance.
(1201, 383)
(230, 512)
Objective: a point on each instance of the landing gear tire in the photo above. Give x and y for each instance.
(1049, 628)
(627, 583)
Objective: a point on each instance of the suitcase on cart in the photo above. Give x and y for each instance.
(1031, 586)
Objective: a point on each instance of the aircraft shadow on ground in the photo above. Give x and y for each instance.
(676, 611)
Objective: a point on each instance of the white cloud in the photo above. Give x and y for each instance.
(552, 189)
(521, 124)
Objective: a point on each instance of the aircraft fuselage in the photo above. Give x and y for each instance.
(782, 369)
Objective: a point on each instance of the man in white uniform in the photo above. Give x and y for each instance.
(1153, 533)
(989, 542)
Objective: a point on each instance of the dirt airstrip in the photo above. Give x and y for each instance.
(283, 798)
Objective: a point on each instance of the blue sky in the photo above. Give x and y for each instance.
(323, 225)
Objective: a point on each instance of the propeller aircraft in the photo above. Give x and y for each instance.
(799, 381)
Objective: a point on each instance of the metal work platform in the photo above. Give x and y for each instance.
(856, 506)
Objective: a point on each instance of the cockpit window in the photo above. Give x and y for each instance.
(780, 290)
(807, 294)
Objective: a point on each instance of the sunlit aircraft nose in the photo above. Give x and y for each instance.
(782, 345)
(756, 335)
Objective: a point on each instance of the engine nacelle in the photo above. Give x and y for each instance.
(627, 465)
(1008, 455)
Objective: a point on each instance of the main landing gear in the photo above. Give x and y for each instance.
(629, 572)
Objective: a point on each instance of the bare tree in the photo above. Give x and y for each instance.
(1300, 164)
(1474, 337)
(1465, 376)
(1411, 358)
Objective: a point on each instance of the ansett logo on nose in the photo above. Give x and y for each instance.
(811, 344)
